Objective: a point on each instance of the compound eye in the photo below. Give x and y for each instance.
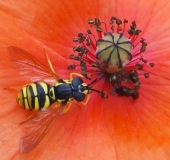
(76, 82)
(78, 96)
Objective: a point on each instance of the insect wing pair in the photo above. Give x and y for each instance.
(37, 125)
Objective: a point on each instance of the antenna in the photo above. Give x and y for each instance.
(101, 93)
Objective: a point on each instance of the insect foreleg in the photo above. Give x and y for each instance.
(75, 74)
(86, 101)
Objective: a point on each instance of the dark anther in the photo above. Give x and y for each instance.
(118, 21)
(91, 22)
(112, 78)
(142, 40)
(133, 30)
(116, 86)
(103, 95)
(113, 92)
(116, 79)
(130, 31)
(112, 19)
(137, 87)
(89, 32)
(151, 64)
(134, 24)
(125, 21)
(81, 37)
(75, 39)
(144, 61)
(125, 91)
(97, 22)
(77, 58)
(80, 54)
(133, 76)
(81, 50)
(86, 50)
(135, 94)
(78, 49)
(88, 40)
(82, 63)
(119, 78)
(99, 29)
(137, 31)
(86, 76)
(71, 67)
(83, 72)
(125, 74)
(140, 66)
(146, 75)
(143, 47)
(71, 56)
(94, 64)
(84, 68)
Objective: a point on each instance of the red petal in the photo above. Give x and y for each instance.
(114, 128)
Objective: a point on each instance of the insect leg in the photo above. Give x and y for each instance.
(67, 107)
(48, 60)
(87, 99)
(12, 88)
(75, 74)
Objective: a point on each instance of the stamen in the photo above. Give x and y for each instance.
(111, 56)
(146, 75)
(151, 64)
(71, 67)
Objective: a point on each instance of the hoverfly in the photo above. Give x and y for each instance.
(49, 101)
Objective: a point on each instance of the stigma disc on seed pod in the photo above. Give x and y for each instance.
(113, 52)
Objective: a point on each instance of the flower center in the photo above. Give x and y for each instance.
(113, 52)
(114, 57)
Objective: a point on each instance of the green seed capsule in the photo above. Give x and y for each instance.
(114, 49)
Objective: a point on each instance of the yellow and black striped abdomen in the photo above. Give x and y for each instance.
(34, 96)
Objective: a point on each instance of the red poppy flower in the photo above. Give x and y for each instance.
(118, 127)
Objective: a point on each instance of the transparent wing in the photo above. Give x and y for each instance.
(36, 126)
(29, 67)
